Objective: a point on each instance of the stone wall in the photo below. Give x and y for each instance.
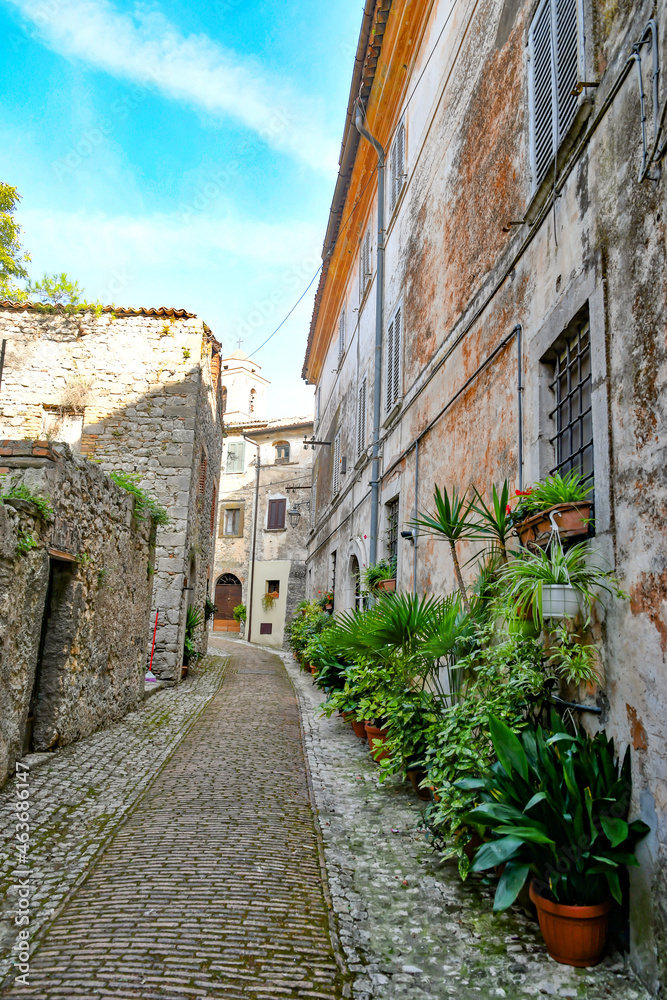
(74, 605)
(139, 391)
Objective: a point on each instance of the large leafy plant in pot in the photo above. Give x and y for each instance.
(556, 807)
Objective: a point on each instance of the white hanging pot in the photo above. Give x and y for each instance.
(559, 600)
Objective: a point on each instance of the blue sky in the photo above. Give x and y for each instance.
(179, 154)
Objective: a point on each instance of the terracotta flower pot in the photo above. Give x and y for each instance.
(348, 716)
(574, 935)
(471, 848)
(386, 585)
(571, 518)
(313, 668)
(359, 729)
(415, 776)
(375, 733)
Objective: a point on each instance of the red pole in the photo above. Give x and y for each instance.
(153, 646)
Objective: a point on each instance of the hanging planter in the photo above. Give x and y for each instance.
(572, 520)
(560, 600)
(574, 935)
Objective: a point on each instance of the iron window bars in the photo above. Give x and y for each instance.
(572, 415)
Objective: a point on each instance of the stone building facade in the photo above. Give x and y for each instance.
(75, 597)
(134, 390)
(254, 505)
(499, 277)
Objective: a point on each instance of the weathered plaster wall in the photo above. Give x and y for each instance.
(151, 405)
(465, 285)
(93, 655)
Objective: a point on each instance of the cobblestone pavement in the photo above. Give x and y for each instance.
(81, 793)
(409, 927)
(213, 885)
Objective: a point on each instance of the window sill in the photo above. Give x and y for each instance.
(275, 529)
(393, 413)
(541, 194)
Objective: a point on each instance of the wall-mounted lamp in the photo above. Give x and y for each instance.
(295, 513)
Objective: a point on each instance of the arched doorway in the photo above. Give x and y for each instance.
(228, 593)
(355, 583)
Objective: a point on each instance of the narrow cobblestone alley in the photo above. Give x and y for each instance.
(213, 886)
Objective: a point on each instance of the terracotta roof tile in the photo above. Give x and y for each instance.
(116, 310)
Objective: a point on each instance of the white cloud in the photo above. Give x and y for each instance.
(146, 49)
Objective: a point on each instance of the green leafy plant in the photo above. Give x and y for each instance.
(555, 489)
(239, 614)
(25, 542)
(19, 491)
(572, 659)
(371, 576)
(557, 807)
(145, 504)
(451, 520)
(495, 520)
(194, 620)
(269, 599)
(56, 290)
(209, 608)
(13, 258)
(186, 353)
(525, 577)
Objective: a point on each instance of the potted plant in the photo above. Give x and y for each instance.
(555, 584)
(269, 599)
(556, 808)
(558, 501)
(239, 614)
(209, 608)
(381, 576)
(194, 620)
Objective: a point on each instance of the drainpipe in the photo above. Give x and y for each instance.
(254, 536)
(379, 321)
(415, 533)
(519, 393)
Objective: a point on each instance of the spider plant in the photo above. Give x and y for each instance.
(526, 576)
(451, 520)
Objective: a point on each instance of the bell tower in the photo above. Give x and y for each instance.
(243, 388)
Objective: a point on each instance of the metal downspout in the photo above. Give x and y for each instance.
(519, 393)
(415, 533)
(379, 322)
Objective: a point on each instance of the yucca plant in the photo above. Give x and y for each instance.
(556, 806)
(495, 519)
(450, 520)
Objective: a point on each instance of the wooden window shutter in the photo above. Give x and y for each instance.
(361, 417)
(393, 386)
(397, 165)
(542, 92)
(365, 264)
(276, 516)
(567, 63)
(335, 478)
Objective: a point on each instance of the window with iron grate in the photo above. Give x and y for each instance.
(554, 73)
(572, 389)
(392, 529)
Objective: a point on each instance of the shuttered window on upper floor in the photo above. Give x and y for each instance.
(554, 72)
(235, 456)
(365, 264)
(361, 416)
(335, 472)
(341, 336)
(397, 166)
(393, 374)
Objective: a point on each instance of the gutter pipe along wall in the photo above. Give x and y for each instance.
(379, 322)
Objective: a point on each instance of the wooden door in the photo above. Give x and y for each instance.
(228, 594)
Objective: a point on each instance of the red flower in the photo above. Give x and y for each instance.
(509, 509)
